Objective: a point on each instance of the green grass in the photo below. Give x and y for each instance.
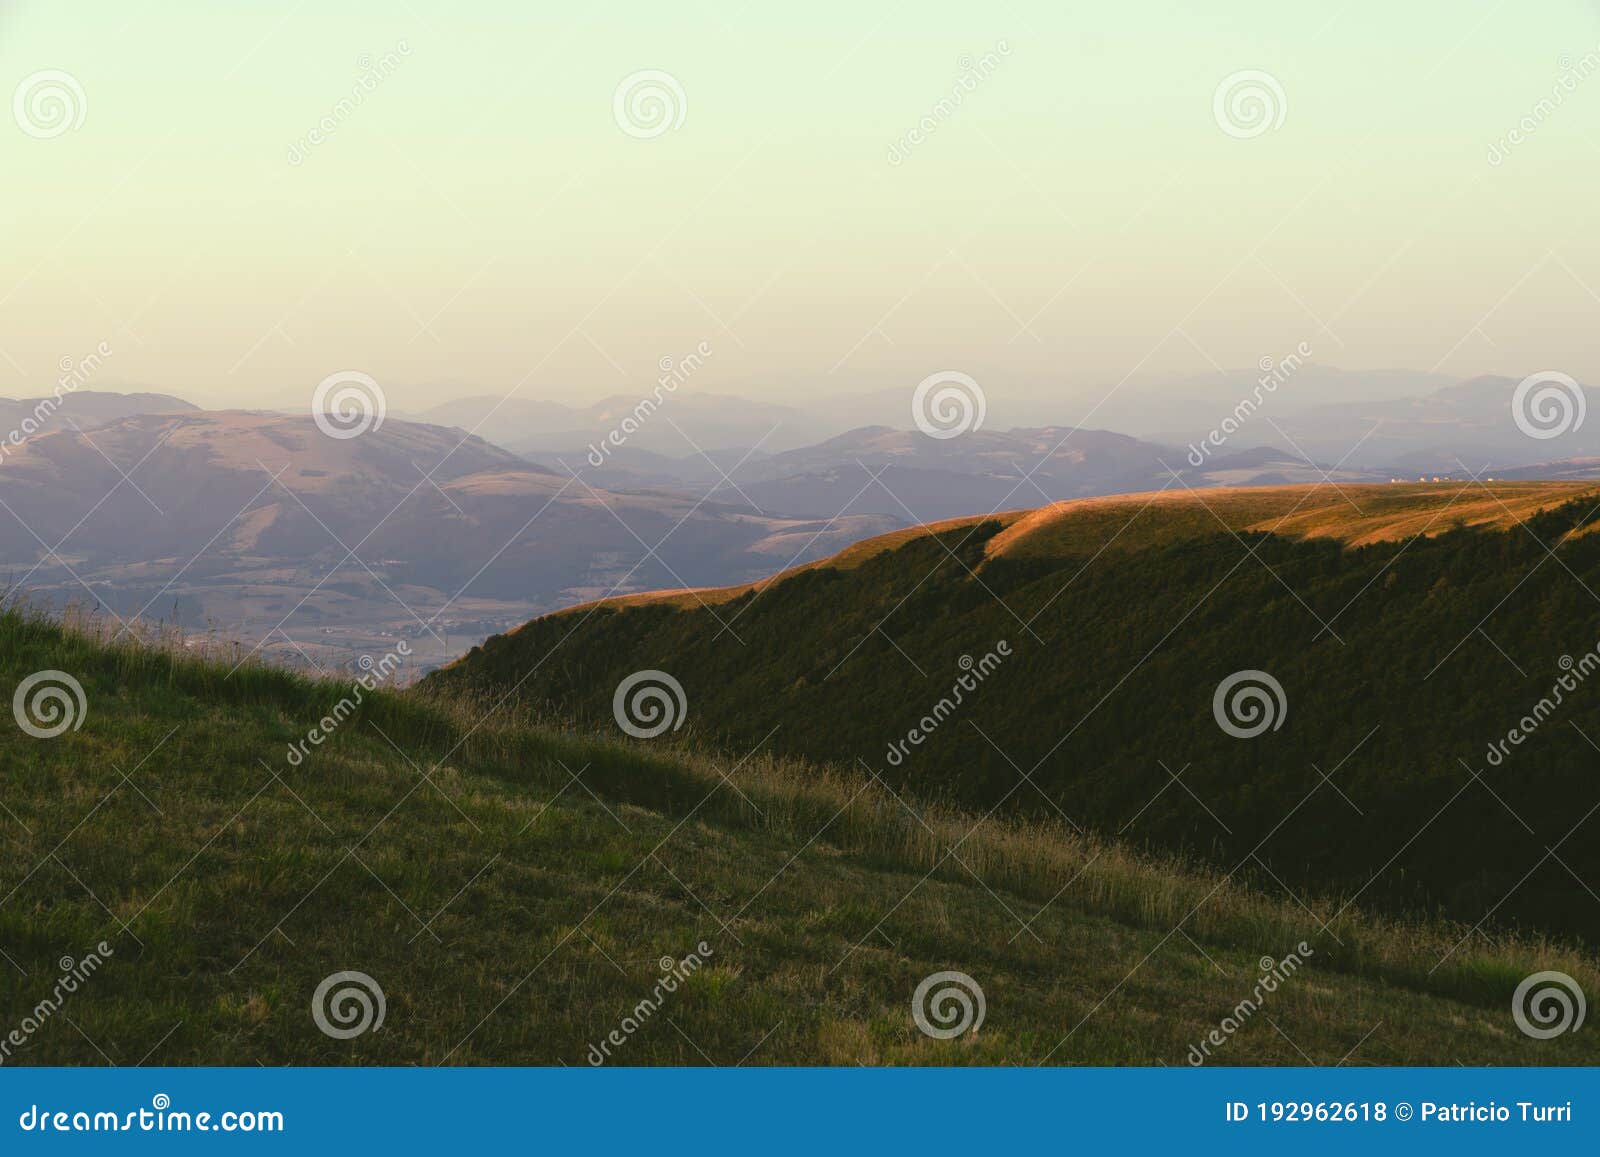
(512, 887)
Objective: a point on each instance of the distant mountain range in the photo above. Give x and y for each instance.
(1191, 405)
(231, 517)
(1423, 420)
(1289, 434)
(1469, 424)
(685, 421)
(906, 475)
(86, 408)
(265, 527)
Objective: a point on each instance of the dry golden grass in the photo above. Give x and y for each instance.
(1358, 515)
(1355, 514)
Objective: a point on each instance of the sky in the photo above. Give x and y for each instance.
(481, 215)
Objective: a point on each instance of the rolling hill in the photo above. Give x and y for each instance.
(1410, 632)
(501, 892)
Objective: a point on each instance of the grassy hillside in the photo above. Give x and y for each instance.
(513, 889)
(1358, 514)
(1405, 643)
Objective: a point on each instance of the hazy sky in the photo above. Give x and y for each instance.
(479, 219)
